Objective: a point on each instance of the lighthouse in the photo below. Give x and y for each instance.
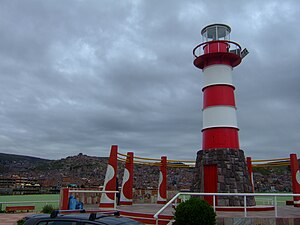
(220, 164)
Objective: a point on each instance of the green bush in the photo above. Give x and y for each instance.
(194, 212)
(48, 209)
(21, 222)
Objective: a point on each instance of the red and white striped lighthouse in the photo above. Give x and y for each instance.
(221, 163)
(218, 56)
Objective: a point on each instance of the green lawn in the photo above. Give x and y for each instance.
(267, 200)
(45, 199)
(260, 200)
(29, 200)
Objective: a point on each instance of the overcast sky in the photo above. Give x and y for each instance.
(78, 76)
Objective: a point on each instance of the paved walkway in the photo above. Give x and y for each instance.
(283, 212)
(11, 218)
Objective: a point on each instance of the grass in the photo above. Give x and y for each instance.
(260, 200)
(25, 200)
(267, 200)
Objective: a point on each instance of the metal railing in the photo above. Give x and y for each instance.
(233, 47)
(245, 195)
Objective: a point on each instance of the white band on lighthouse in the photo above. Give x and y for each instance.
(217, 74)
(219, 116)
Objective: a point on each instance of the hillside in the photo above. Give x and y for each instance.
(78, 169)
(89, 171)
(86, 171)
(12, 157)
(10, 163)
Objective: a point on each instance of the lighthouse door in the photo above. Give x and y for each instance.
(210, 182)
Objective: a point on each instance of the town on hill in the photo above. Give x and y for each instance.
(30, 175)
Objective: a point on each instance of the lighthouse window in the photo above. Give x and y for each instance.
(222, 33)
(204, 36)
(211, 33)
(216, 32)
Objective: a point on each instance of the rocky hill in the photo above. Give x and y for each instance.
(80, 169)
(10, 163)
(89, 171)
(12, 157)
(85, 171)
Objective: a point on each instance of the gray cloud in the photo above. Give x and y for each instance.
(79, 76)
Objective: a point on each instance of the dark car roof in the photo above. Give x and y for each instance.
(82, 217)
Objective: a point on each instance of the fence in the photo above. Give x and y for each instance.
(245, 195)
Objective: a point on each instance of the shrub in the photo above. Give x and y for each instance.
(194, 212)
(21, 222)
(48, 209)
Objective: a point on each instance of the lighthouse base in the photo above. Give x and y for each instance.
(223, 171)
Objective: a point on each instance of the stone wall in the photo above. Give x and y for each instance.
(232, 172)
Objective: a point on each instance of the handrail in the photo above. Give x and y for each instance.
(166, 205)
(90, 191)
(122, 154)
(178, 160)
(144, 158)
(245, 195)
(193, 161)
(209, 42)
(269, 160)
(271, 164)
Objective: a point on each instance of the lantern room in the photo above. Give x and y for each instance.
(217, 48)
(216, 32)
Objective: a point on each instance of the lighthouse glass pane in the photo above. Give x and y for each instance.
(211, 33)
(204, 37)
(222, 33)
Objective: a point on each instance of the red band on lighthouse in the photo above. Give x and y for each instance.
(218, 95)
(108, 200)
(220, 138)
(162, 186)
(127, 184)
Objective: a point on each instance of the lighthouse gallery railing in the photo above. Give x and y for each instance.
(233, 47)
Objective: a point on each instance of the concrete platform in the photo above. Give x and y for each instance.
(11, 218)
(286, 215)
(283, 211)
